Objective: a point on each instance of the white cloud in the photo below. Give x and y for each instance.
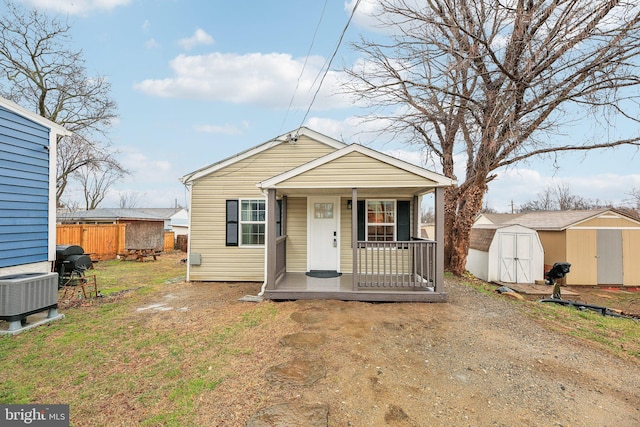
(253, 78)
(151, 44)
(146, 169)
(226, 129)
(76, 7)
(365, 14)
(200, 37)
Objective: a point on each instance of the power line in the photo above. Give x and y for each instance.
(326, 70)
(304, 65)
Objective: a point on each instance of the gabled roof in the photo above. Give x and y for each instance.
(497, 218)
(482, 235)
(288, 137)
(12, 106)
(165, 213)
(555, 220)
(110, 214)
(439, 180)
(481, 238)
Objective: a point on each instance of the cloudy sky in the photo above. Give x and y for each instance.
(197, 81)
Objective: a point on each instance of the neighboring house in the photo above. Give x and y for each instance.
(602, 245)
(27, 216)
(27, 190)
(304, 205)
(144, 229)
(505, 253)
(175, 219)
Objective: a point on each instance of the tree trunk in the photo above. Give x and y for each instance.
(461, 208)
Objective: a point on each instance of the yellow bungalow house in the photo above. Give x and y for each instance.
(314, 218)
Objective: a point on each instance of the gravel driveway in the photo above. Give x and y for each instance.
(475, 361)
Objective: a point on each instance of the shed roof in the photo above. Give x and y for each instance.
(111, 214)
(481, 238)
(553, 220)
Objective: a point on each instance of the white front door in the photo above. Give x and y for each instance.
(323, 244)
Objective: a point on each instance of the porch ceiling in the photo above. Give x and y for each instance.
(362, 192)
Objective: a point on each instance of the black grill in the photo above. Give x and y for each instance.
(71, 262)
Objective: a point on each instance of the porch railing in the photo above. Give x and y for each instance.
(281, 255)
(396, 265)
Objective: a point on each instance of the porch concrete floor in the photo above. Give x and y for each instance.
(302, 282)
(300, 286)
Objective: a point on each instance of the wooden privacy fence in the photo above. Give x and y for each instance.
(102, 241)
(169, 241)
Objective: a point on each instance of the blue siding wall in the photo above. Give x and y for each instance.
(24, 190)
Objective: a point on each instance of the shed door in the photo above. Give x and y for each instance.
(515, 257)
(609, 256)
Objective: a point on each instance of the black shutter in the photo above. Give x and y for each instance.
(232, 223)
(362, 215)
(404, 220)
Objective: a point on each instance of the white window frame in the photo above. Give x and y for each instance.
(395, 219)
(241, 222)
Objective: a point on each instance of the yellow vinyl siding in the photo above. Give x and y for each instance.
(581, 253)
(608, 221)
(296, 234)
(631, 257)
(554, 244)
(238, 181)
(359, 170)
(346, 254)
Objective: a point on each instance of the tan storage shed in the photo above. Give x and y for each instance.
(602, 245)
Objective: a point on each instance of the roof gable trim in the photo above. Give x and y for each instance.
(289, 137)
(54, 127)
(440, 180)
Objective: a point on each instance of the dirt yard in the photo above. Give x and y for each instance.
(474, 361)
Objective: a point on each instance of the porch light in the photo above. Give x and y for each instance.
(349, 204)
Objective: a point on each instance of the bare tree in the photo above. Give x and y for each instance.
(76, 154)
(635, 197)
(559, 197)
(129, 199)
(95, 183)
(493, 80)
(42, 74)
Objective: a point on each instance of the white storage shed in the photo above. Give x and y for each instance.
(505, 253)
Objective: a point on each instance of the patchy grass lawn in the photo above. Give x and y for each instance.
(150, 353)
(620, 336)
(106, 356)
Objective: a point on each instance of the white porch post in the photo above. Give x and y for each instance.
(439, 238)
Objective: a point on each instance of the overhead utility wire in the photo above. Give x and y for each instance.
(304, 65)
(326, 71)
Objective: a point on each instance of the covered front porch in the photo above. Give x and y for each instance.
(408, 270)
(354, 214)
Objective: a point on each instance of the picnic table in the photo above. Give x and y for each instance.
(139, 254)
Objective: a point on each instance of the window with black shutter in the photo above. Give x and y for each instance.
(384, 220)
